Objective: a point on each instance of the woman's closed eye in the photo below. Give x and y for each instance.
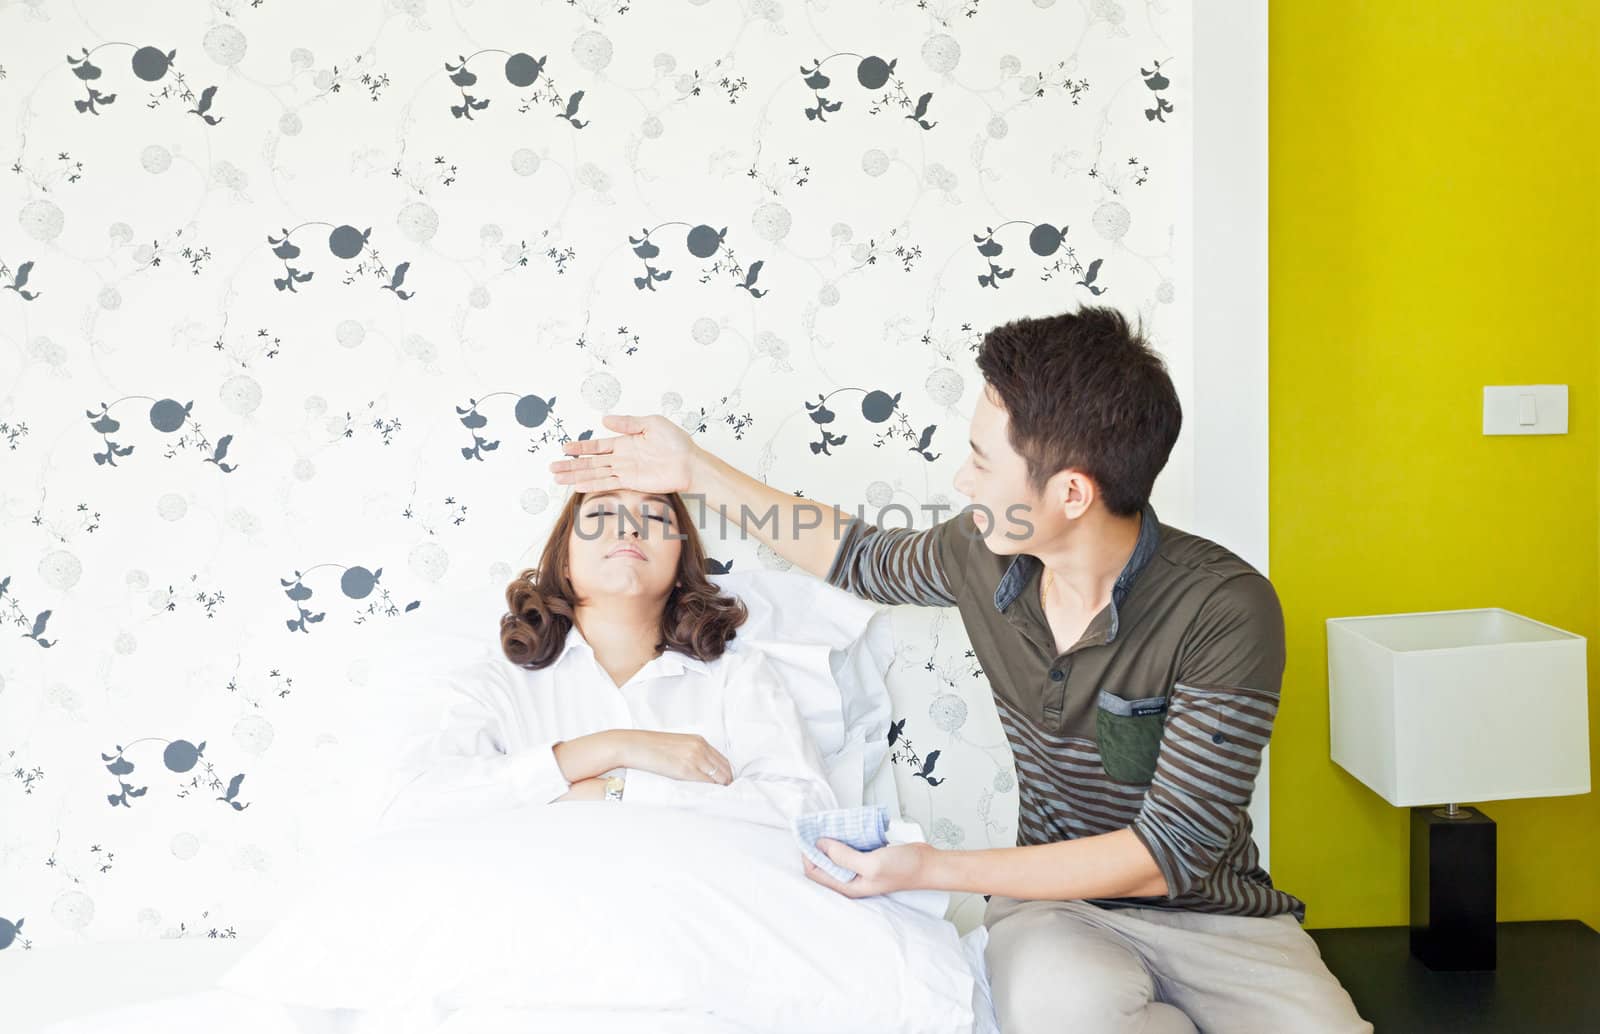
(647, 516)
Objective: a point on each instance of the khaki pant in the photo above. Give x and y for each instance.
(1067, 967)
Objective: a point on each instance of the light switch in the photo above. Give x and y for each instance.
(1525, 409)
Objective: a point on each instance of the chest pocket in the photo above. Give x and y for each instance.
(1128, 733)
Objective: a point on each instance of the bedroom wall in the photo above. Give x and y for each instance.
(299, 308)
(1433, 219)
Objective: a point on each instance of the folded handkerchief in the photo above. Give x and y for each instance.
(865, 829)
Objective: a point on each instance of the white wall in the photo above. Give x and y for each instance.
(146, 231)
(1229, 415)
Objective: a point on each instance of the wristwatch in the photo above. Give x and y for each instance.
(613, 788)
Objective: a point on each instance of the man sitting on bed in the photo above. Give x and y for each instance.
(1136, 671)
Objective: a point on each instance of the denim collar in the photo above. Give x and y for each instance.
(1025, 565)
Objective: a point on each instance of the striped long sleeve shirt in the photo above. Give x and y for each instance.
(1154, 720)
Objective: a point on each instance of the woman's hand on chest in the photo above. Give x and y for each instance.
(676, 755)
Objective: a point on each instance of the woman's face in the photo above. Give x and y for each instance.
(622, 544)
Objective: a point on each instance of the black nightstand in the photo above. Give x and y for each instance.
(1547, 982)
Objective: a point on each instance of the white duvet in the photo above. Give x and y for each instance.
(68, 972)
(575, 914)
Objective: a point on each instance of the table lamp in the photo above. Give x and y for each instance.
(1434, 709)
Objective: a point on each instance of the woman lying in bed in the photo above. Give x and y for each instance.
(612, 681)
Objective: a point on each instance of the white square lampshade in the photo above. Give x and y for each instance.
(1458, 706)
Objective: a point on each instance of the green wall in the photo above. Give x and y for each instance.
(1434, 170)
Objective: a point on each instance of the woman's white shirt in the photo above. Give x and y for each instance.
(500, 722)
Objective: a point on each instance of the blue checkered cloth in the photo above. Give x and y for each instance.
(865, 829)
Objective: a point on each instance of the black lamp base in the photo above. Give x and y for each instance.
(1453, 889)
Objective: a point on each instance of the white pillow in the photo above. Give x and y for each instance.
(833, 650)
(862, 673)
(590, 905)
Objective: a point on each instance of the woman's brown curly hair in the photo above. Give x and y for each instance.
(697, 620)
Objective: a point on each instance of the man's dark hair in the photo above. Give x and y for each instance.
(1084, 390)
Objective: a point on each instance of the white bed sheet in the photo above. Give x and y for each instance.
(57, 982)
(157, 987)
(161, 986)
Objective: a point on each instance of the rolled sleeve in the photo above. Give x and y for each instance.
(535, 775)
(1219, 720)
(900, 565)
(466, 767)
(645, 787)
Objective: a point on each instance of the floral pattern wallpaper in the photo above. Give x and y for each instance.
(301, 299)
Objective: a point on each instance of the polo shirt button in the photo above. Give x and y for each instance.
(1218, 738)
(1056, 675)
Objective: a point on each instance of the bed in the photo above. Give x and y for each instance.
(194, 982)
(143, 988)
(172, 984)
(156, 987)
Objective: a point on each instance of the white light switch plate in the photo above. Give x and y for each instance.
(1525, 409)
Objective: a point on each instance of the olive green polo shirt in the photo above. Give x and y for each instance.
(1154, 720)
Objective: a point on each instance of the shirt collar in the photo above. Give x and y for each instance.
(669, 662)
(1025, 565)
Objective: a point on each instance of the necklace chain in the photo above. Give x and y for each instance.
(1044, 593)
